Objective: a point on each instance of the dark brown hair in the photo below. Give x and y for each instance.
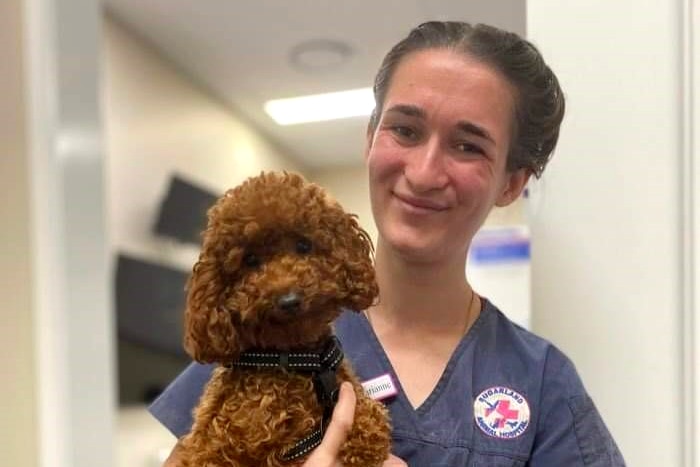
(539, 105)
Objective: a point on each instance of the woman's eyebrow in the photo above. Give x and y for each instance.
(476, 130)
(410, 110)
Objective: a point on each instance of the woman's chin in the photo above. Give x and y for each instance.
(421, 248)
(417, 250)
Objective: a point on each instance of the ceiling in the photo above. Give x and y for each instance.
(240, 52)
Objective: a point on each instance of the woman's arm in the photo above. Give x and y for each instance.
(570, 431)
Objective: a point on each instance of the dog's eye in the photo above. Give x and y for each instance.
(303, 246)
(251, 260)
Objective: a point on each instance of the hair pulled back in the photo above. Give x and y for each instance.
(539, 101)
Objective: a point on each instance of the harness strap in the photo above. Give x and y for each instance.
(322, 367)
(329, 357)
(305, 445)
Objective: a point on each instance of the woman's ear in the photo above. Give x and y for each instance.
(514, 185)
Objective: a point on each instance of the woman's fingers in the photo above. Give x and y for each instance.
(394, 461)
(326, 454)
(341, 420)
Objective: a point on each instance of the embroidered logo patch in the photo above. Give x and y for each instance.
(501, 412)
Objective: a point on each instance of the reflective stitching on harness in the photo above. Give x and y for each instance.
(323, 376)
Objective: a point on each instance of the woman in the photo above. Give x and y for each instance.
(464, 116)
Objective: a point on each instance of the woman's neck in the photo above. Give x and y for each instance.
(428, 297)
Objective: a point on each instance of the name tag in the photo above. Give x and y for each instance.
(380, 388)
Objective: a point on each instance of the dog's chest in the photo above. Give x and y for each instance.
(267, 411)
(271, 391)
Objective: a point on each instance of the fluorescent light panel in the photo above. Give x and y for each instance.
(321, 107)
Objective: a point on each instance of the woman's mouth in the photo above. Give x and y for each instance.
(418, 204)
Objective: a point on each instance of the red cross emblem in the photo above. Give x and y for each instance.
(503, 409)
(501, 412)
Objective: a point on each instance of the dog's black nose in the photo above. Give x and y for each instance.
(289, 301)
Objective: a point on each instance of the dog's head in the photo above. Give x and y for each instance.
(279, 261)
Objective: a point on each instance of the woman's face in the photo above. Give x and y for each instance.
(437, 158)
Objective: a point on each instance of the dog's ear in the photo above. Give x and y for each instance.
(210, 333)
(361, 284)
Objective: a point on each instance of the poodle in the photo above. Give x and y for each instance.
(280, 261)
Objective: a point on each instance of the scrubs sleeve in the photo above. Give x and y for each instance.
(570, 430)
(173, 408)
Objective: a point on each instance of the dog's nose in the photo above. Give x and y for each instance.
(289, 301)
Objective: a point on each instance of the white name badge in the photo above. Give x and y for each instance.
(380, 388)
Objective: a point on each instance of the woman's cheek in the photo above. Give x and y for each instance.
(386, 155)
(380, 163)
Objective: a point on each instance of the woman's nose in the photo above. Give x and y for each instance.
(425, 169)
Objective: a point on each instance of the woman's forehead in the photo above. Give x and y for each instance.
(452, 84)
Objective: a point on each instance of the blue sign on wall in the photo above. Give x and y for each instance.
(500, 246)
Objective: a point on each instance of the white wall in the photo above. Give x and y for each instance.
(692, 156)
(57, 380)
(607, 223)
(350, 186)
(18, 428)
(158, 123)
(71, 317)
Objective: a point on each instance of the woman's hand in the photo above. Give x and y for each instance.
(394, 461)
(326, 454)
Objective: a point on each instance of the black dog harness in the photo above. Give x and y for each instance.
(322, 367)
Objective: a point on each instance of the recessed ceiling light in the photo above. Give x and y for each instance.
(319, 55)
(321, 107)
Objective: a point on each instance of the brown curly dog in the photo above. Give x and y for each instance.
(279, 262)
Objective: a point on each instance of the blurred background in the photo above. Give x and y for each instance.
(122, 120)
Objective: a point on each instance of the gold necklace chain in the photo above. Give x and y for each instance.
(466, 325)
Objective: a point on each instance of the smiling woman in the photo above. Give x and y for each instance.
(437, 158)
(464, 116)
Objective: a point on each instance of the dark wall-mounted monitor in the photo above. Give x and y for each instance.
(183, 212)
(150, 301)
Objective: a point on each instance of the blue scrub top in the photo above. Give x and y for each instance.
(506, 398)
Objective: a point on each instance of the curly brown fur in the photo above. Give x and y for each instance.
(272, 235)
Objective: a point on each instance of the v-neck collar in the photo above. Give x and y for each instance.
(424, 408)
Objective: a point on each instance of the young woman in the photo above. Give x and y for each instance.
(464, 116)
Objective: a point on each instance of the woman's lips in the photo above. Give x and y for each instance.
(421, 204)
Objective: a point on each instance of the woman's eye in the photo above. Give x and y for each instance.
(470, 148)
(303, 246)
(251, 260)
(405, 132)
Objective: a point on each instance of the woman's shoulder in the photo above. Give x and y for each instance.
(567, 427)
(500, 332)
(349, 321)
(508, 341)
(173, 408)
